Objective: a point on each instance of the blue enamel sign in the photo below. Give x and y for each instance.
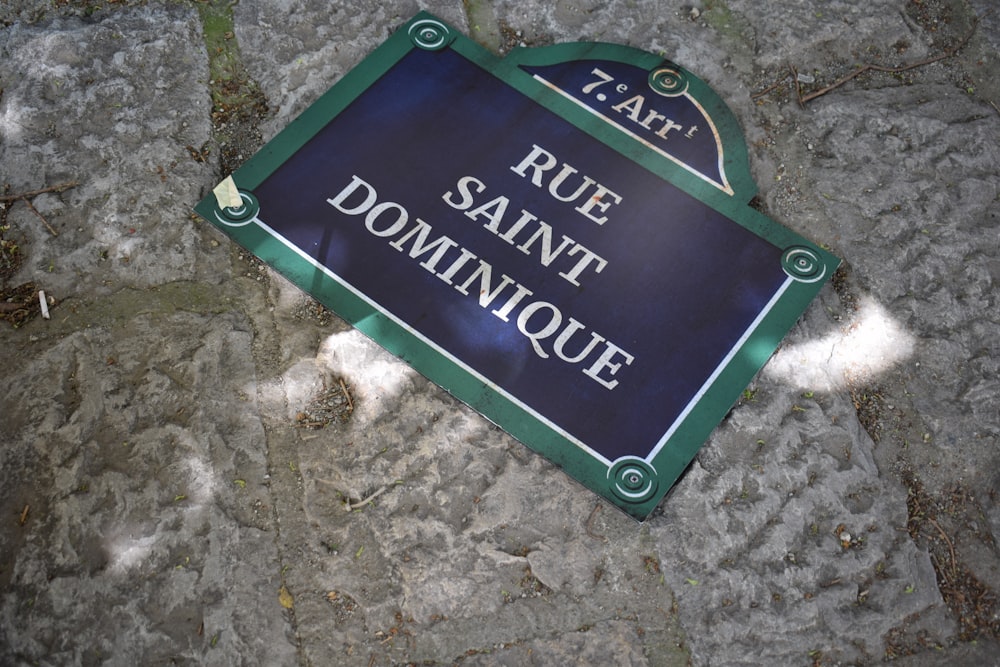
(560, 238)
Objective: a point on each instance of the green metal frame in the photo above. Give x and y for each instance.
(635, 485)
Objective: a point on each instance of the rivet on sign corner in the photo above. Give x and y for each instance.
(430, 35)
(238, 216)
(632, 479)
(668, 80)
(803, 264)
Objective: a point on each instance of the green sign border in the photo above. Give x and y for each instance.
(634, 484)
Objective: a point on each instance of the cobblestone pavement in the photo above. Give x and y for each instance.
(164, 499)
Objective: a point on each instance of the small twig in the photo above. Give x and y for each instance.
(803, 99)
(41, 217)
(347, 395)
(951, 547)
(5, 198)
(24, 514)
(767, 90)
(798, 88)
(349, 506)
(994, 105)
(26, 197)
(312, 424)
(589, 525)
(892, 70)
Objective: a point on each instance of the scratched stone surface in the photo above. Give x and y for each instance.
(199, 465)
(127, 418)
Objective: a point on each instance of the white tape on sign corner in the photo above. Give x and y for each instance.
(227, 194)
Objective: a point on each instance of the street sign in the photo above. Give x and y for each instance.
(560, 238)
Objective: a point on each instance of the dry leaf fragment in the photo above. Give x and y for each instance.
(285, 598)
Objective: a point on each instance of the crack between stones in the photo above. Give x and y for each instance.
(238, 103)
(238, 107)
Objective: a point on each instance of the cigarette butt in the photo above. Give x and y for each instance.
(44, 303)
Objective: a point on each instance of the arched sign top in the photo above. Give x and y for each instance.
(654, 102)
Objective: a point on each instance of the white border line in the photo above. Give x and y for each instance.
(718, 369)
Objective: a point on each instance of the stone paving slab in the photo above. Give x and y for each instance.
(188, 445)
(130, 439)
